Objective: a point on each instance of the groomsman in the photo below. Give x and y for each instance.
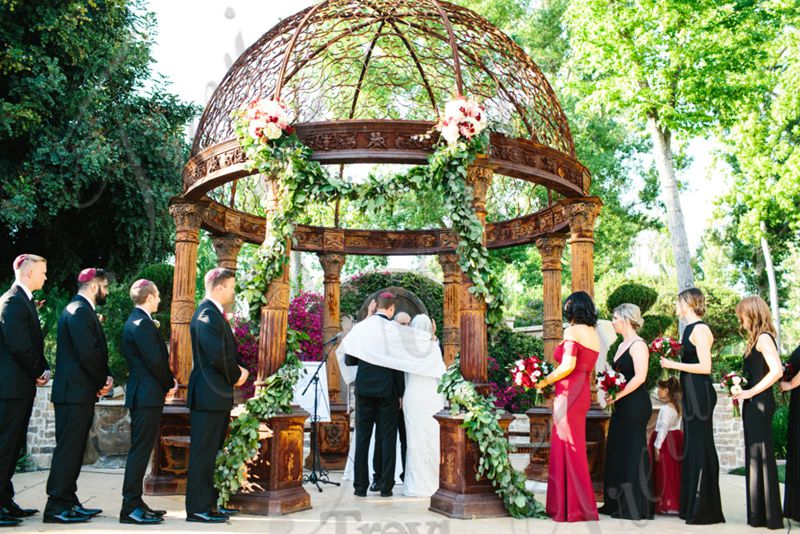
(22, 368)
(149, 381)
(82, 376)
(210, 396)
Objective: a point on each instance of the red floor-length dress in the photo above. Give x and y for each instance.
(570, 496)
(667, 470)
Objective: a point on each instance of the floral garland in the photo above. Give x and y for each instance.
(273, 149)
(242, 444)
(481, 422)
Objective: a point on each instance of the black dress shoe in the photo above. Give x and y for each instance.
(10, 522)
(159, 513)
(88, 512)
(140, 516)
(360, 493)
(376, 487)
(207, 517)
(16, 511)
(67, 517)
(226, 511)
(386, 494)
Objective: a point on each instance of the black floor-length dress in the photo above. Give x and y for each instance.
(791, 500)
(626, 485)
(700, 498)
(763, 493)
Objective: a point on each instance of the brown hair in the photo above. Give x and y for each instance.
(759, 319)
(695, 299)
(216, 277)
(385, 300)
(140, 291)
(673, 387)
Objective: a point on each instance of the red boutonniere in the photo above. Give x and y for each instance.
(39, 303)
(101, 318)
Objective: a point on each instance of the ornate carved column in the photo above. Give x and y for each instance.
(277, 473)
(334, 437)
(227, 248)
(582, 215)
(474, 341)
(462, 494)
(451, 330)
(170, 460)
(550, 248)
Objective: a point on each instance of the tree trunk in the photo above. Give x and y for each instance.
(669, 188)
(773, 286)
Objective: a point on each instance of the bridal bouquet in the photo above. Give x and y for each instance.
(733, 383)
(611, 382)
(666, 347)
(267, 120)
(529, 372)
(462, 118)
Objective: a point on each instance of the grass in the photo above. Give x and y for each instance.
(781, 472)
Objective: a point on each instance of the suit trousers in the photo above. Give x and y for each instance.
(73, 422)
(208, 429)
(377, 458)
(14, 417)
(144, 432)
(370, 411)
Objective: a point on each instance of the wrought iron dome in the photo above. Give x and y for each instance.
(389, 59)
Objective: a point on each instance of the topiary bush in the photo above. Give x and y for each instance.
(631, 293)
(506, 347)
(358, 288)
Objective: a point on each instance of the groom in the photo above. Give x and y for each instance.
(378, 393)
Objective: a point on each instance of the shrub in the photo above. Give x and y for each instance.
(780, 431)
(246, 335)
(358, 288)
(305, 315)
(532, 314)
(505, 347)
(721, 315)
(115, 311)
(631, 293)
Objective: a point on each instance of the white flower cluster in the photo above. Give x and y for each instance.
(267, 120)
(462, 118)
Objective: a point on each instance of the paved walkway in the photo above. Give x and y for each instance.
(337, 511)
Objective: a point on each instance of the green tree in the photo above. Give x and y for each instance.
(91, 148)
(674, 69)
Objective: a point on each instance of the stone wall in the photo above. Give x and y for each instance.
(42, 429)
(728, 433)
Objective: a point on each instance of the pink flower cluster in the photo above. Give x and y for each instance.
(267, 120)
(462, 118)
(305, 315)
(246, 335)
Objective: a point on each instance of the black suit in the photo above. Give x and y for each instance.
(81, 371)
(378, 393)
(210, 399)
(149, 380)
(21, 363)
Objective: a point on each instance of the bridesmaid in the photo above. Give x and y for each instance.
(570, 495)
(762, 366)
(700, 497)
(626, 488)
(791, 500)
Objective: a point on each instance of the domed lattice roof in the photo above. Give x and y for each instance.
(389, 59)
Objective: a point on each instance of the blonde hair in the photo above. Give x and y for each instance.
(759, 319)
(695, 299)
(24, 261)
(630, 313)
(140, 290)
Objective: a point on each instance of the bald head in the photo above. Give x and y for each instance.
(403, 318)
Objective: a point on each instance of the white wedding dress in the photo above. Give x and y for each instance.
(420, 403)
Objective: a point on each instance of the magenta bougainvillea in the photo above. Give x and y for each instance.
(246, 335)
(305, 315)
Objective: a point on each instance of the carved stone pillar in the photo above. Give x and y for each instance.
(227, 248)
(462, 493)
(277, 473)
(170, 460)
(334, 437)
(550, 248)
(451, 330)
(474, 341)
(582, 215)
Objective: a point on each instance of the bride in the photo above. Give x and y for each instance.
(421, 402)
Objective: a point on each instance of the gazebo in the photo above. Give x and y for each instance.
(364, 80)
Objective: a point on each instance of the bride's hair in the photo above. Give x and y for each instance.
(422, 322)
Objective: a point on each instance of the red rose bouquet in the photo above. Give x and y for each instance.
(611, 382)
(529, 372)
(733, 383)
(666, 347)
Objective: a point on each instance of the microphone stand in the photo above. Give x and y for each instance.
(318, 474)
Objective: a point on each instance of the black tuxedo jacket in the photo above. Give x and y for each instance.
(376, 381)
(21, 346)
(148, 361)
(81, 355)
(214, 356)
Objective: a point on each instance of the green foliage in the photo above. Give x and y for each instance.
(780, 431)
(358, 288)
(161, 274)
(482, 425)
(721, 314)
(638, 294)
(116, 310)
(242, 443)
(89, 145)
(506, 347)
